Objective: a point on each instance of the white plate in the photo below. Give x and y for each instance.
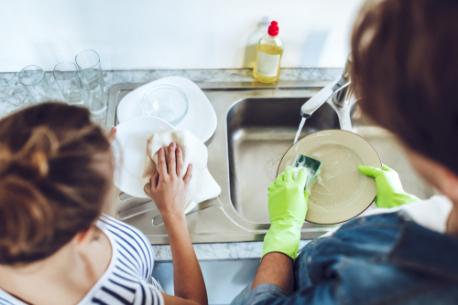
(130, 152)
(200, 119)
(341, 192)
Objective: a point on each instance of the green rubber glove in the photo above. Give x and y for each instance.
(390, 192)
(287, 209)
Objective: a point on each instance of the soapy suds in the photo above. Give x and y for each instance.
(337, 177)
(334, 179)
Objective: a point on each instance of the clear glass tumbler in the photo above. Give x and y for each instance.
(19, 96)
(69, 83)
(12, 97)
(33, 78)
(90, 71)
(5, 105)
(4, 90)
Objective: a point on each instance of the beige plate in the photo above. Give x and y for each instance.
(340, 192)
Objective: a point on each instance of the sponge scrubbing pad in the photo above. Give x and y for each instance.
(313, 167)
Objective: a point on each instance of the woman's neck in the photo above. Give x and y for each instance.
(63, 275)
(63, 278)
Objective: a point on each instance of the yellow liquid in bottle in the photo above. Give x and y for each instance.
(267, 65)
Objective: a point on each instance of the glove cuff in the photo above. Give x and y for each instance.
(397, 200)
(408, 198)
(283, 238)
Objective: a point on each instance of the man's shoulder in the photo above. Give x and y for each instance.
(382, 257)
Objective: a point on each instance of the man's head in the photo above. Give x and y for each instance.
(405, 73)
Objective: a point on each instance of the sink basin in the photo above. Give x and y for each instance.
(260, 131)
(256, 126)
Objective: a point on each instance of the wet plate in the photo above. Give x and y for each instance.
(340, 192)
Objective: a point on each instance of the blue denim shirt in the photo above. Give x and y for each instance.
(380, 259)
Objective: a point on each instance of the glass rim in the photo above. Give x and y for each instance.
(161, 87)
(57, 73)
(30, 68)
(65, 64)
(85, 52)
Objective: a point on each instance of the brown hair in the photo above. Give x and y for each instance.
(51, 186)
(405, 70)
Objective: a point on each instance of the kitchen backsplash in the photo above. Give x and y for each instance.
(177, 34)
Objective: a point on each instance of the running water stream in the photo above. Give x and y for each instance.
(299, 130)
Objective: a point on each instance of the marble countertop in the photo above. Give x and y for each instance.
(216, 251)
(8, 80)
(219, 251)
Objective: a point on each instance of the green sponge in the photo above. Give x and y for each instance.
(312, 165)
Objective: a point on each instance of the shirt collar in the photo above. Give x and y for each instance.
(427, 251)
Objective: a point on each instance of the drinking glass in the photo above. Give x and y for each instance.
(69, 83)
(4, 90)
(12, 97)
(5, 106)
(33, 78)
(13, 94)
(19, 96)
(90, 71)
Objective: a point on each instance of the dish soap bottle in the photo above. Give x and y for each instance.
(268, 56)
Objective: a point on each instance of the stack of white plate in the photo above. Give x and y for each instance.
(192, 109)
(182, 106)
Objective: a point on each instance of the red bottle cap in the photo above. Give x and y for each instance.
(273, 29)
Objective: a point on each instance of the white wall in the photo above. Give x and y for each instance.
(170, 33)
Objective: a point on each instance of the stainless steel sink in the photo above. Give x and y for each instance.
(256, 125)
(260, 131)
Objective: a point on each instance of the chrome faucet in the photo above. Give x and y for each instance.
(338, 94)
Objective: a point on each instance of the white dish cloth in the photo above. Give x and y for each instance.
(202, 186)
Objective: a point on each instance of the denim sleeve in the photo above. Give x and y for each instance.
(262, 294)
(268, 294)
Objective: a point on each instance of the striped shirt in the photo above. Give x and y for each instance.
(128, 279)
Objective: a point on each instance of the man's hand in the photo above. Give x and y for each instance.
(390, 192)
(286, 196)
(167, 185)
(287, 201)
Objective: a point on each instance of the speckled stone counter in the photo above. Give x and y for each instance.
(9, 79)
(204, 251)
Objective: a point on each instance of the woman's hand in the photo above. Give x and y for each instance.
(168, 185)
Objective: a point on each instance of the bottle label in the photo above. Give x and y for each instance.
(268, 64)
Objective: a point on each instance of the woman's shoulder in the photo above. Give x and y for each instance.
(110, 223)
(6, 299)
(130, 245)
(114, 288)
(128, 279)
(124, 289)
